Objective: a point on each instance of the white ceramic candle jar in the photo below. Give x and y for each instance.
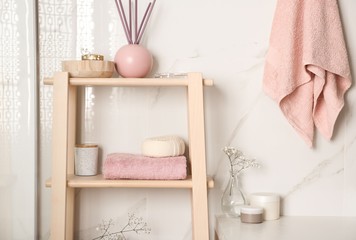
(270, 202)
(86, 159)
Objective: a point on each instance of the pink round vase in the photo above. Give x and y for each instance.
(133, 61)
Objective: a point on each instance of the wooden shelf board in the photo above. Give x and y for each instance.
(99, 182)
(129, 82)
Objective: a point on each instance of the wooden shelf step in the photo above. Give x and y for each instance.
(130, 82)
(99, 182)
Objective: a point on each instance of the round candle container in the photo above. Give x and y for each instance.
(86, 159)
(269, 202)
(251, 214)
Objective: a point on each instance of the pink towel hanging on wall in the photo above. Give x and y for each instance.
(307, 70)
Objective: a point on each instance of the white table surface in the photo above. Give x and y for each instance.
(288, 228)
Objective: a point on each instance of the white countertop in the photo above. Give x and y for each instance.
(288, 228)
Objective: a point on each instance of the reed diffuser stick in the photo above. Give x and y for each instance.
(135, 21)
(145, 24)
(142, 22)
(134, 33)
(122, 21)
(130, 21)
(125, 20)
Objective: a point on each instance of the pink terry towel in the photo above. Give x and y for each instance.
(307, 70)
(131, 166)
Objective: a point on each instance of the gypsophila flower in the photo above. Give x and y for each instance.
(134, 224)
(238, 161)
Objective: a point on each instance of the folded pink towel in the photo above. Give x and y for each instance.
(307, 70)
(131, 166)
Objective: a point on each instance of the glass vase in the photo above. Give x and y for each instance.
(232, 199)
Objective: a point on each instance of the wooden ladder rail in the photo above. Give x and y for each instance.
(196, 132)
(64, 123)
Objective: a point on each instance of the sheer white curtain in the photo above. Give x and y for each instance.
(64, 27)
(18, 119)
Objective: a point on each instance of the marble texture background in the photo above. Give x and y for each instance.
(226, 41)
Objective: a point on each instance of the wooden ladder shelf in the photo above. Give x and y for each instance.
(64, 182)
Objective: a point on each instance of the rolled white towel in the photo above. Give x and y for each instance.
(163, 146)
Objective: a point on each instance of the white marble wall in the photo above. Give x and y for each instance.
(226, 41)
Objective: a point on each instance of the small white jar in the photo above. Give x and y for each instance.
(270, 202)
(251, 214)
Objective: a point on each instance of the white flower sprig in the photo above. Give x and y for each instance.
(134, 224)
(238, 161)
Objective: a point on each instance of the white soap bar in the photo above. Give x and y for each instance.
(164, 146)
